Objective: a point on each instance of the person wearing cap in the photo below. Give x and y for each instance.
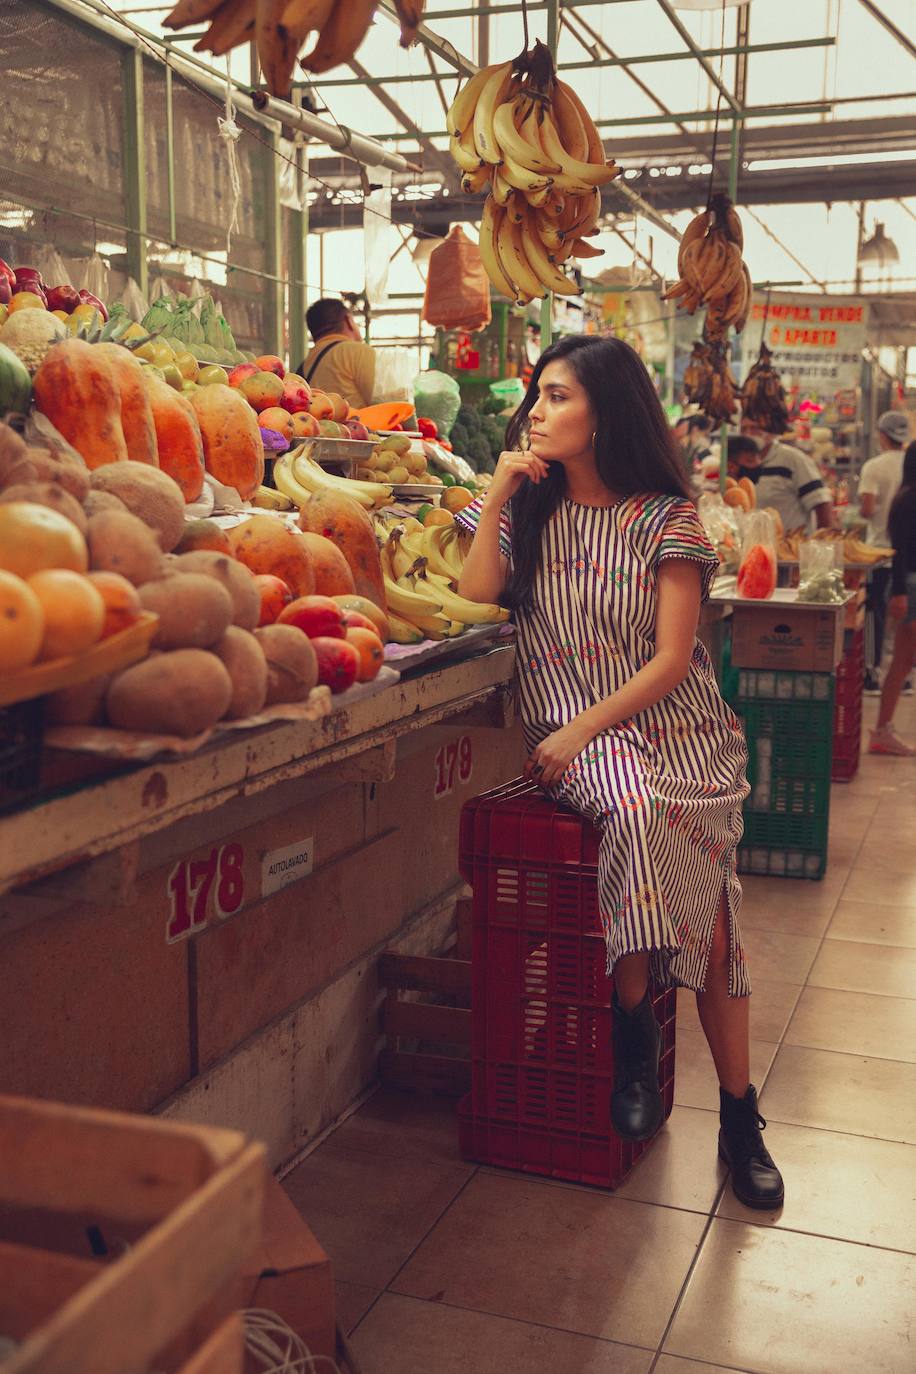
(879, 483)
(789, 481)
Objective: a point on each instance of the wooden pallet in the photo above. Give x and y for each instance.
(187, 1201)
(445, 1022)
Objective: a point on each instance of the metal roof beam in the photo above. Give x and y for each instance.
(891, 27)
(440, 46)
(440, 160)
(700, 56)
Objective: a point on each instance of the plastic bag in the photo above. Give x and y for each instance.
(757, 571)
(819, 578)
(52, 266)
(457, 286)
(723, 525)
(394, 371)
(96, 277)
(133, 302)
(437, 396)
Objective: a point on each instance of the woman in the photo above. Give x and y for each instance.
(901, 526)
(590, 535)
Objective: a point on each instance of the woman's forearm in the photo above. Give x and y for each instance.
(653, 682)
(483, 575)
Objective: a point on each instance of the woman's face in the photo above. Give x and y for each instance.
(561, 422)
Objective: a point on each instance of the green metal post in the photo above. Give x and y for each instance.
(135, 167)
(273, 247)
(170, 155)
(553, 38)
(298, 230)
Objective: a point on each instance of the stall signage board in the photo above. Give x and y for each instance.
(282, 867)
(816, 341)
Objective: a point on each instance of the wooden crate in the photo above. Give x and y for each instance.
(186, 1201)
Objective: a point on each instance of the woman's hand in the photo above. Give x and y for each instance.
(511, 471)
(553, 755)
(897, 607)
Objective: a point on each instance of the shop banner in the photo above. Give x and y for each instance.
(816, 341)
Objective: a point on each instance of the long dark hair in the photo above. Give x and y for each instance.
(634, 448)
(907, 481)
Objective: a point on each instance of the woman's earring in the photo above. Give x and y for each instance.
(594, 437)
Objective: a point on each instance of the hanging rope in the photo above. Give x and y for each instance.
(715, 131)
(230, 132)
(525, 22)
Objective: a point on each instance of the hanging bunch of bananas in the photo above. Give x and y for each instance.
(712, 270)
(709, 383)
(763, 395)
(421, 570)
(516, 129)
(280, 28)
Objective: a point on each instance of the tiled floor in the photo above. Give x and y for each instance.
(445, 1267)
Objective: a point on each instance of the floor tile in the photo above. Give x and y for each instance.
(402, 1335)
(771, 1007)
(682, 1169)
(855, 1023)
(370, 1213)
(882, 969)
(881, 886)
(585, 1262)
(778, 957)
(672, 1364)
(878, 925)
(842, 1186)
(842, 1092)
(353, 1302)
(405, 1125)
(695, 1081)
(781, 1303)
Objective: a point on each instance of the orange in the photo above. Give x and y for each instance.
(33, 537)
(371, 654)
(22, 623)
(122, 602)
(74, 612)
(437, 516)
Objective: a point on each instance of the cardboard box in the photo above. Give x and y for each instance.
(781, 633)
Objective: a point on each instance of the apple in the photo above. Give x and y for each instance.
(87, 298)
(341, 407)
(25, 276)
(330, 429)
(357, 429)
(269, 363)
(321, 406)
(64, 298)
(316, 616)
(238, 373)
(7, 271)
(262, 390)
(6, 289)
(304, 426)
(297, 394)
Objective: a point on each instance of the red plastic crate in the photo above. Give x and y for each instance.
(541, 1056)
(847, 716)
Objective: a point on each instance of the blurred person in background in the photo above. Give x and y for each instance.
(878, 485)
(339, 360)
(744, 458)
(789, 481)
(901, 526)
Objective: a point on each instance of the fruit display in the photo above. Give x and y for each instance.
(279, 29)
(709, 381)
(394, 462)
(195, 327)
(518, 130)
(763, 397)
(856, 553)
(712, 270)
(298, 478)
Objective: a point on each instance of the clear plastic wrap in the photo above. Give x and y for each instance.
(757, 570)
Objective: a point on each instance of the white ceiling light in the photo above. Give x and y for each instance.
(879, 248)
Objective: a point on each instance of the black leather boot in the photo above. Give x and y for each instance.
(755, 1179)
(637, 1110)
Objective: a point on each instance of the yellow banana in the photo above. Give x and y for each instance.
(539, 198)
(515, 263)
(585, 214)
(549, 232)
(478, 180)
(569, 123)
(522, 179)
(461, 114)
(499, 187)
(595, 151)
(277, 47)
(488, 243)
(399, 560)
(434, 552)
(312, 478)
(190, 12)
(581, 249)
(494, 92)
(696, 229)
(401, 631)
(266, 498)
(585, 173)
(547, 272)
(422, 612)
(459, 607)
(232, 24)
(522, 143)
(463, 152)
(341, 35)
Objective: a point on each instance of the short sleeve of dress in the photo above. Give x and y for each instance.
(683, 536)
(468, 519)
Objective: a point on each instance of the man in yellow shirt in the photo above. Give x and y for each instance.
(339, 360)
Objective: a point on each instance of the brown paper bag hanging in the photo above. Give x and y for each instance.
(457, 286)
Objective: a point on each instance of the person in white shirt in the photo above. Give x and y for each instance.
(789, 481)
(878, 485)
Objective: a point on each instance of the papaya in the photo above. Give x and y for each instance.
(136, 411)
(77, 389)
(343, 521)
(332, 571)
(181, 449)
(233, 447)
(266, 545)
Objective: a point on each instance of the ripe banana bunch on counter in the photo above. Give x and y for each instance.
(421, 571)
(515, 128)
(712, 271)
(763, 397)
(280, 27)
(297, 477)
(709, 382)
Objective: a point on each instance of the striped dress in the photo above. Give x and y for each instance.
(666, 786)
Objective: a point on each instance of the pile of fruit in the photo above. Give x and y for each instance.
(279, 28)
(712, 270)
(855, 551)
(517, 129)
(195, 327)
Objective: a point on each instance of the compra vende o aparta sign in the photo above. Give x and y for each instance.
(816, 340)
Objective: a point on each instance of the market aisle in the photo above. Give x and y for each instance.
(445, 1267)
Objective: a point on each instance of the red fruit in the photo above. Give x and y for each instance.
(62, 298)
(262, 390)
(275, 596)
(355, 620)
(6, 289)
(269, 363)
(87, 298)
(338, 663)
(757, 573)
(316, 616)
(297, 394)
(428, 428)
(371, 653)
(27, 279)
(7, 271)
(242, 370)
(357, 429)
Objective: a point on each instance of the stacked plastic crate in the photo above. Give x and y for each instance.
(542, 1062)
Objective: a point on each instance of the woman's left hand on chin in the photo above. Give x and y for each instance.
(550, 760)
